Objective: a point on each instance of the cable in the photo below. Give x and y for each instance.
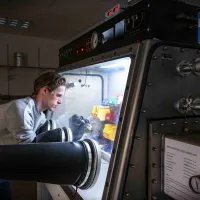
(75, 193)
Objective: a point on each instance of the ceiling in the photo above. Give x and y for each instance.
(55, 19)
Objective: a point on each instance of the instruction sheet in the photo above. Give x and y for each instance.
(181, 161)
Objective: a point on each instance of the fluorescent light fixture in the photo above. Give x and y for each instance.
(2, 21)
(14, 23)
(25, 25)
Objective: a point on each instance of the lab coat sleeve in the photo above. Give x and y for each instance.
(20, 123)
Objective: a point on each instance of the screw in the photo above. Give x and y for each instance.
(154, 198)
(164, 48)
(173, 123)
(161, 124)
(155, 57)
(127, 194)
(154, 165)
(138, 138)
(155, 149)
(154, 181)
(149, 84)
(195, 121)
(132, 166)
(148, 29)
(144, 111)
(155, 133)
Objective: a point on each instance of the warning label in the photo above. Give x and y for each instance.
(181, 161)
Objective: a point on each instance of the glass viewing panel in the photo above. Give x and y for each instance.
(96, 92)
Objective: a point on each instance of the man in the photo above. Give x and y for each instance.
(23, 120)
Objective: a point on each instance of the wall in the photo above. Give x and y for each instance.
(43, 53)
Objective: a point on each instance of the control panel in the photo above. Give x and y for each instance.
(126, 26)
(144, 20)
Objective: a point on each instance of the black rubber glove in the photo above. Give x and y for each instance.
(55, 135)
(78, 125)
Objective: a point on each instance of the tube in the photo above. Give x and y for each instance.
(72, 163)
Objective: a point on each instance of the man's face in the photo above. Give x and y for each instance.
(54, 98)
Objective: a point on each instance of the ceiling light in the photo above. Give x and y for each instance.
(13, 23)
(25, 25)
(2, 21)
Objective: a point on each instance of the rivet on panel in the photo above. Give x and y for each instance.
(154, 198)
(148, 29)
(148, 5)
(138, 137)
(149, 84)
(185, 122)
(196, 121)
(154, 165)
(127, 194)
(155, 149)
(173, 123)
(155, 133)
(161, 124)
(164, 48)
(182, 50)
(155, 57)
(144, 111)
(132, 166)
(154, 181)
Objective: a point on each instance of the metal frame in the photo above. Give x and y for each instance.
(158, 130)
(131, 98)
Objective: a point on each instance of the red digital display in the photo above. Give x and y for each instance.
(115, 9)
(110, 13)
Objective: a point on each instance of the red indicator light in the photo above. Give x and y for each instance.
(82, 49)
(110, 13)
(115, 9)
(77, 51)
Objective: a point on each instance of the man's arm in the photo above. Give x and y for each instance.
(20, 123)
